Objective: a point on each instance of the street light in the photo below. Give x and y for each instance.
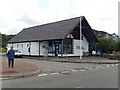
(80, 37)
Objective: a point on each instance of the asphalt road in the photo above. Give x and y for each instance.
(104, 77)
(48, 66)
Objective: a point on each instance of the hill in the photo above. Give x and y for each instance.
(100, 34)
(4, 38)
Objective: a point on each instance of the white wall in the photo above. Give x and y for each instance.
(22, 47)
(35, 48)
(42, 44)
(76, 46)
(85, 45)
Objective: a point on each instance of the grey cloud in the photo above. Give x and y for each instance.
(107, 18)
(26, 19)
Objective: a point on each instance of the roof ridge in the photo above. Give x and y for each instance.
(54, 22)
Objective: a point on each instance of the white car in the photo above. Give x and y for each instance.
(17, 52)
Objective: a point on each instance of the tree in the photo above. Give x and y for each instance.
(5, 39)
(106, 45)
(118, 46)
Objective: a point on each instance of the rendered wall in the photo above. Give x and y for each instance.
(35, 48)
(43, 47)
(76, 46)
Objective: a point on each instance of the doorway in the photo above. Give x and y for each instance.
(56, 50)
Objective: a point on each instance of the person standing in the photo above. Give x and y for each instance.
(10, 55)
(93, 53)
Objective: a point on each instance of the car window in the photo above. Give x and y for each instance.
(16, 51)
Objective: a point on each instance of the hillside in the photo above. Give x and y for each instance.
(4, 38)
(100, 34)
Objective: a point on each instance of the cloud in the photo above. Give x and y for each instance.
(28, 20)
(19, 14)
(106, 18)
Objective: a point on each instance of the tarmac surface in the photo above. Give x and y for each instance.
(25, 69)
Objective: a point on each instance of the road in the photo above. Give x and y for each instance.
(99, 77)
(67, 75)
(53, 67)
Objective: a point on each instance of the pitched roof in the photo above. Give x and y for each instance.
(51, 31)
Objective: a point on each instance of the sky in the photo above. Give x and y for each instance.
(15, 15)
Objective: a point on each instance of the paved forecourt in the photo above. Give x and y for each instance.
(20, 70)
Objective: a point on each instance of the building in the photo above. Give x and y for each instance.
(112, 36)
(115, 37)
(59, 38)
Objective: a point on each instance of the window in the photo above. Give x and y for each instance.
(44, 46)
(68, 46)
(50, 47)
(17, 45)
(68, 49)
(21, 45)
(27, 45)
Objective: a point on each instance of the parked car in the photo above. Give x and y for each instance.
(17, 52)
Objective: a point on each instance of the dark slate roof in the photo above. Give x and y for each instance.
(51, 31)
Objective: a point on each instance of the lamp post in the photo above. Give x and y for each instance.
(80, 37)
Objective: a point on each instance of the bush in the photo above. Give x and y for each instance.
(106, 45)
(2, 50)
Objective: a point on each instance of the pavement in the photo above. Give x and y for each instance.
(91, 60)
(20, 70)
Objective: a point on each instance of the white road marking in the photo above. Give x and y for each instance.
(54, 73)
(86, 67)
(108, 65)
(74, 70)
(112, 65)
(80, 87)
(97, 67)
(41, 75)
(102, 67)
(90, 68)
(82, 70)
(116, 64)
(65, 72)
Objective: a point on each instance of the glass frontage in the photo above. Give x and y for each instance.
(50, 47)
(67, 46)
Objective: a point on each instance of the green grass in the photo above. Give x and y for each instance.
(2, 50)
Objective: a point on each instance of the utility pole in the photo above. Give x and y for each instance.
(80, 37)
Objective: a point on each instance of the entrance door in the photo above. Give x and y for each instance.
(56, 50)
(29, 50)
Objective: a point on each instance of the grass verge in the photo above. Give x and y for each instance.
(3, 50)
